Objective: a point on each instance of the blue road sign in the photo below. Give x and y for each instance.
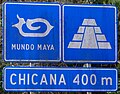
(32, 32)
(89, 36)
(59, 79)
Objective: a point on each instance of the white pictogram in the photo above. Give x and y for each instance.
(29, 23)
(89, 36)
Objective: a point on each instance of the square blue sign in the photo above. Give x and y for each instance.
(89, 34)
(32, 32)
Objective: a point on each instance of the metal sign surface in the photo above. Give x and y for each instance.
(32, 32)
(90, 32)
(60, 79)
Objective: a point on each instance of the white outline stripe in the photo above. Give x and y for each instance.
(115, 34)
(97, 6)
(4, 31)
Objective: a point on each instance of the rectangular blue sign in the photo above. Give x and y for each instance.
(91, 36)
(60, 79)
(32, 32)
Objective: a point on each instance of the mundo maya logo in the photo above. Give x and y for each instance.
(29, 23)
(89, 36)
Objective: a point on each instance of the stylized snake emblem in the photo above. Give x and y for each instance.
(29, 23)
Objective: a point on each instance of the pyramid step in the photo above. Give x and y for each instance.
(78, 37)
(89, 22)
(74, 45)
(97, 30)
(101, 38)
(81, 29)
(104, 45)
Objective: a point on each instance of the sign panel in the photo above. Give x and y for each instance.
(33, 34)
(60, 79)
(91, 36)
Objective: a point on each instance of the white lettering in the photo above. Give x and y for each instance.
(76, 79)
(62, 80)
(22, 47)
(45, 47)
(43, 80)
(93, 76)
(28, 79)
(35, 79)
(34, 83)
(48, 47)
(52, 79)
(21, 79)
(11, 79)
(32, 47)
(18, 46)
(13, 47)
(84, 76)
(106, 80)
(27, 47)
(39, 47)
(52, 47)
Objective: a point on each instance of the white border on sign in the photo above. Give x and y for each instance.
(90, 61)
(34, 5)
(25, 68)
